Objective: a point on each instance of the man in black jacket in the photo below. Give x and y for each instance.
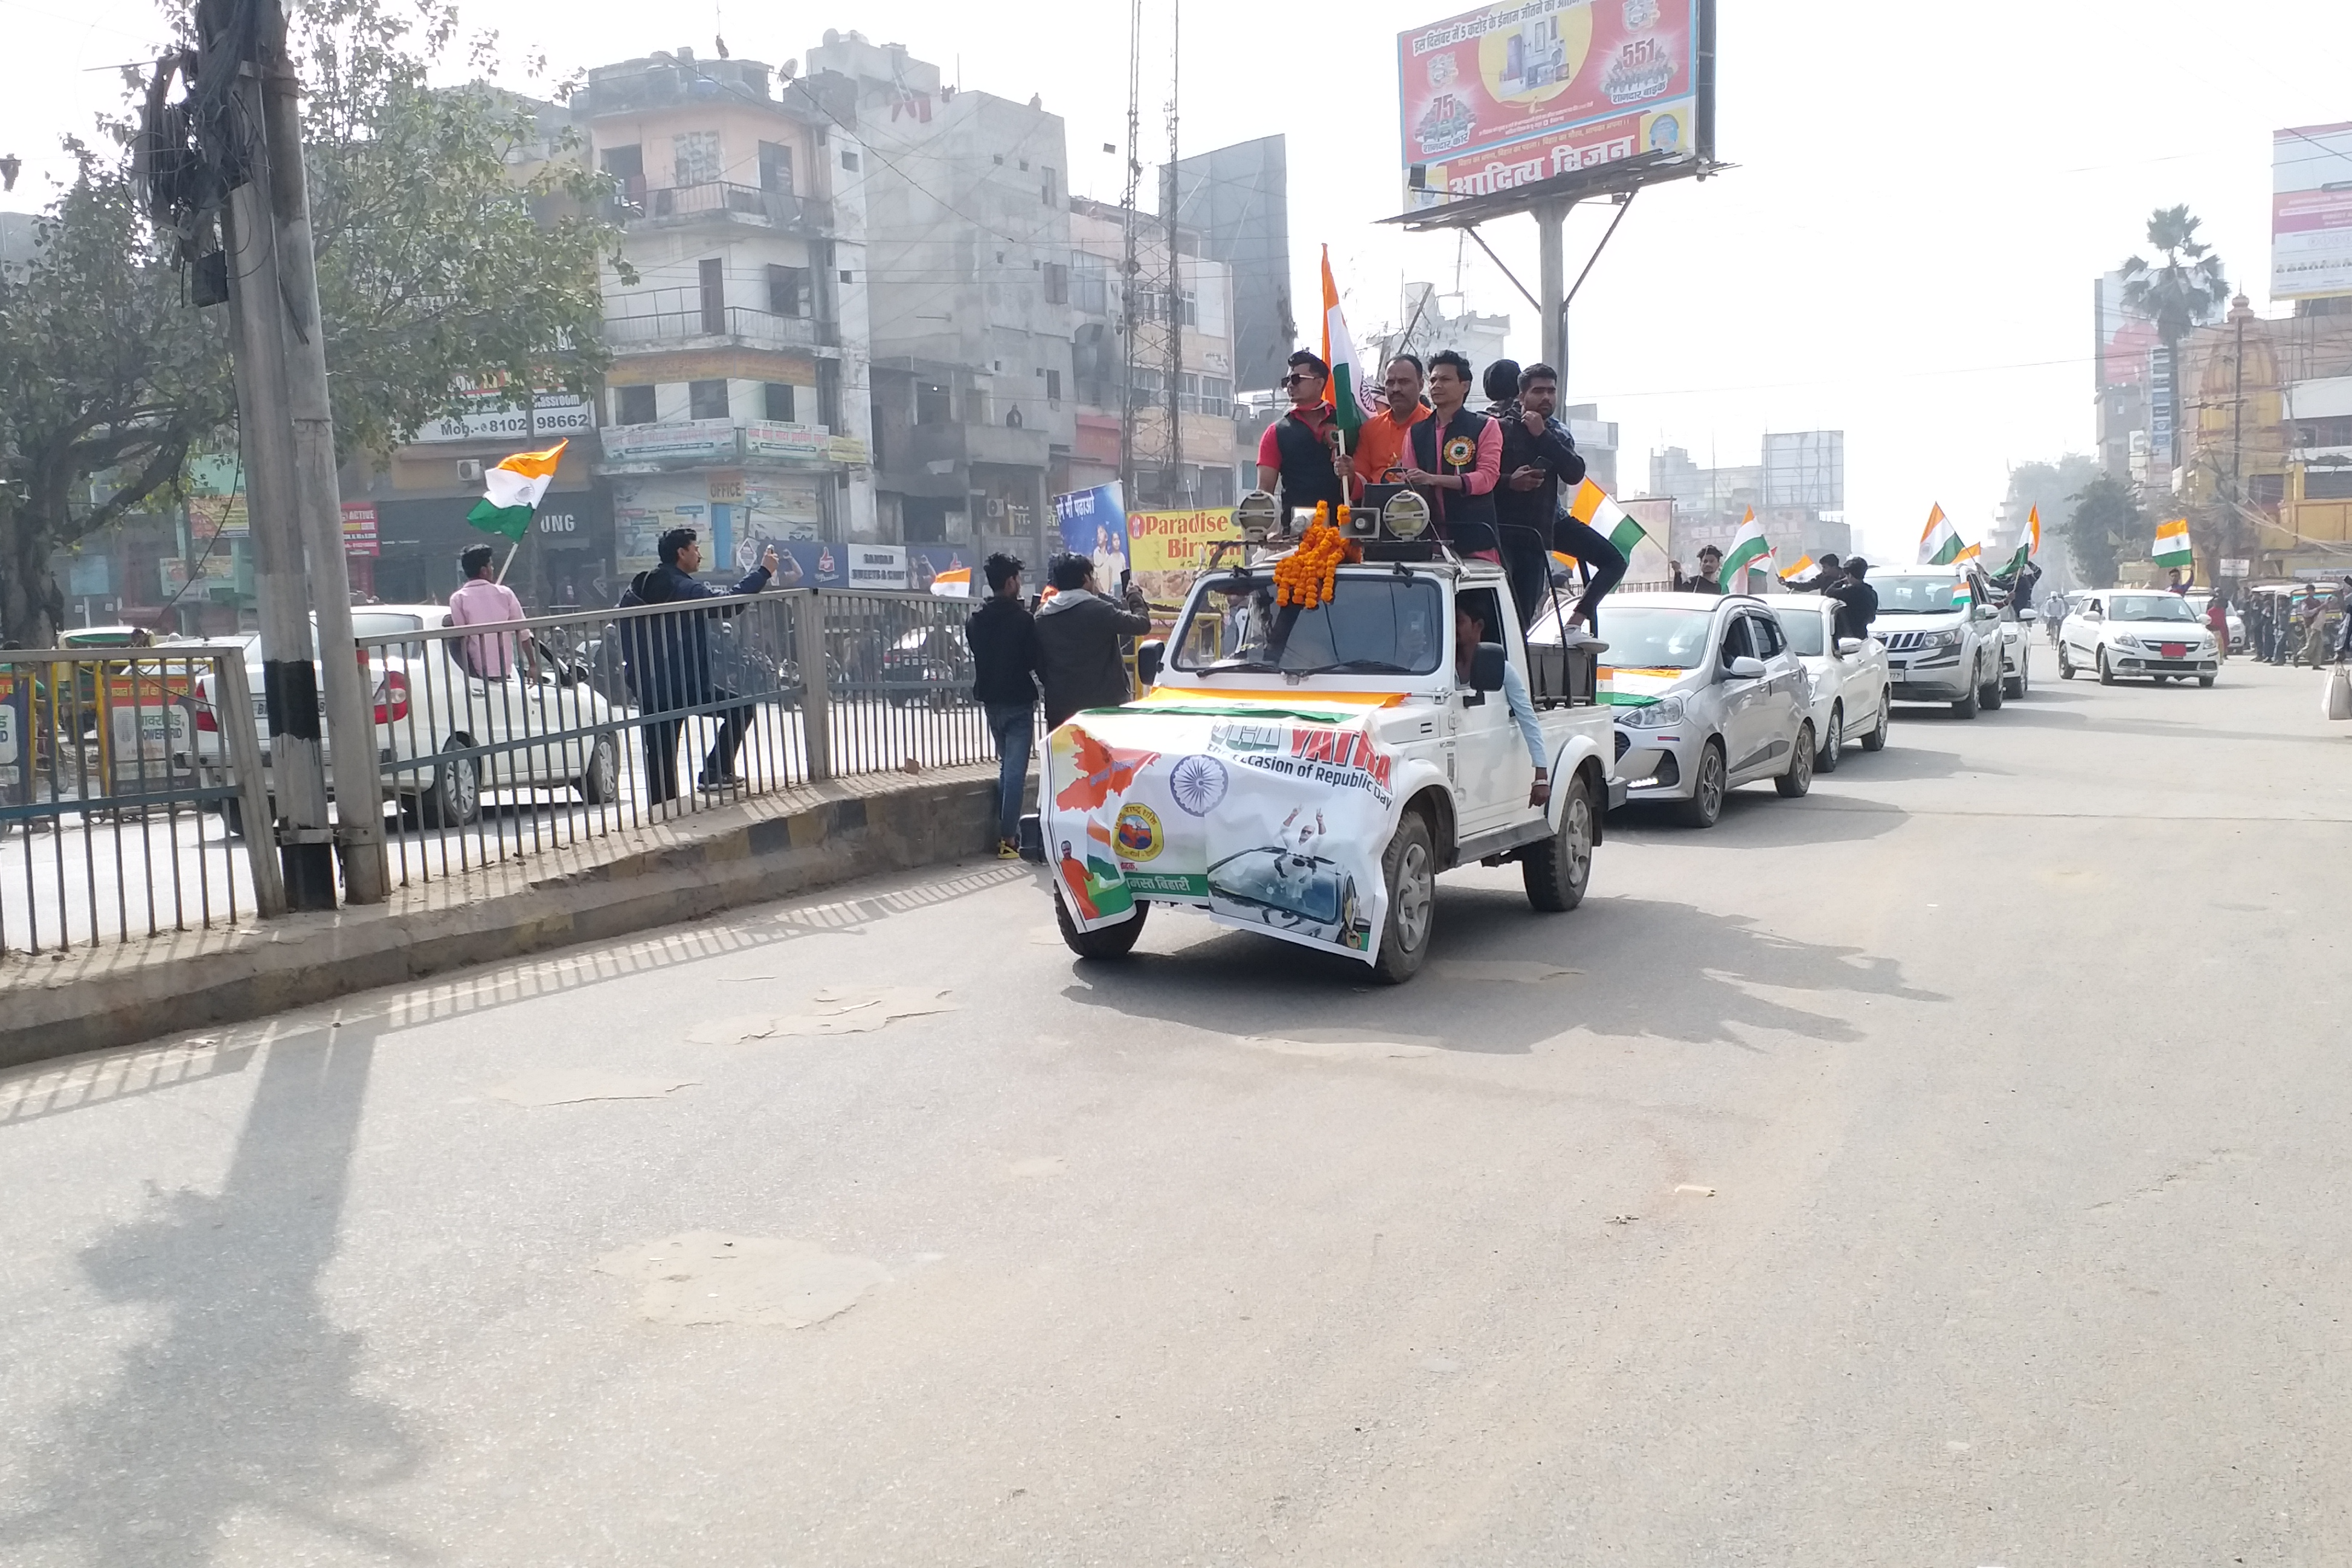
(669, 657)
(1298, 458)
(1078, 633)
(1857, 601)
(1003, 640)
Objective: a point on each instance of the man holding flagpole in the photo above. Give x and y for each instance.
(675, 650)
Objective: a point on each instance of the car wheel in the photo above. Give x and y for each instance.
(1409, 869)
(1875, 739)
(2204, 680)
(2014, 686)
(1557, 870)
(1705, 807)
(1825, 761)
(2066, 665)
(1798, 778)
(601, 783)
(2107, 673)
(1967, 706)
(454, 798)
(1103, 941)
(1988, 691)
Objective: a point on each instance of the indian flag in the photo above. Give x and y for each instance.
(1796, 569)
(2172, 545)
(1747, 549)
(2033, 532)
(1939, 541)
(1592, 507)
(955, 583)
(514, 486)
(1351, 401)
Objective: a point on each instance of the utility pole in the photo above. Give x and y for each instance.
(1127, 267)
(1179, 493)
(2240, 312)
(351, 720)
(1551, 284)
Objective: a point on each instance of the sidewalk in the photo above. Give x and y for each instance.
(772, 848)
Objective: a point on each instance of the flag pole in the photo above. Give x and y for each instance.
(509, 560)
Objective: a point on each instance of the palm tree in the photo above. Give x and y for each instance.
(2187, 289)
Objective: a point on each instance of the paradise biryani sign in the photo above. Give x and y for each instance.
(1273, 820)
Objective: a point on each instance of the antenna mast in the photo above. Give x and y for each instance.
(1127, 268)
(1179, 492)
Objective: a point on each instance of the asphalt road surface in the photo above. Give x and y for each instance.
(1945, 1169)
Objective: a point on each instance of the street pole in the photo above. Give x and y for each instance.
(1551, 284)
(2238, 432)
(289, 678)
(350, 718)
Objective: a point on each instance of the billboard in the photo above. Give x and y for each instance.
(1514, 94)
(2124, 337)
(1805, 470)
(2311, 212)
(1093, 523)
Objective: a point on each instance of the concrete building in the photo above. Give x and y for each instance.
(1237, 199)
(1100, 304)
(968, 238)
(1802, 470)
(2268, 406)
(1430, 322)
(738, 398)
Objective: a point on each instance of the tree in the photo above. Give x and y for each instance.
(2051, 488)
(2106, 520)
(2187, 289)
(457, 245)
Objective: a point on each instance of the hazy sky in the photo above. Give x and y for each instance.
(1905, 251)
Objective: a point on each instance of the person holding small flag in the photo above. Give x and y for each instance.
(672, 654)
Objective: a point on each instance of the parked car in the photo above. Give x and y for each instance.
(2139, 633)
(544, 729)
(2201, 602)
(1707, 695)
(1943, 643)
(1851, 698)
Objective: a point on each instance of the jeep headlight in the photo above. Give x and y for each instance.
(1658, 715)
(1941, 639)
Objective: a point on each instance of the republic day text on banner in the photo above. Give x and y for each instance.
(1274, 818)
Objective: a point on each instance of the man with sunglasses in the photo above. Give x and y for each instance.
(1298, 456)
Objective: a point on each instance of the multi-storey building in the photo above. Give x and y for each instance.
(968, 237)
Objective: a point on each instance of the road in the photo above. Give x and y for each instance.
(1947, 1168)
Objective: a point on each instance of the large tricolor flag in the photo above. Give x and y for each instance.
(1939, 541)
(514, 486)
(1352, 401)
(1592, 507)
(2029, 547)
(1748, 549)
(1796, 569)
(953, 583)
(2172, 547)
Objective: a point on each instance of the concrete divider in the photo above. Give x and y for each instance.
(770, 848)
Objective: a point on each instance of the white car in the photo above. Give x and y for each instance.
(1943, 645)
(2136, 632)
(2203, 603)
(1851, 698)
(429, 704)
(1707, 696)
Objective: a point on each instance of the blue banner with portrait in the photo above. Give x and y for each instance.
(1093, 523)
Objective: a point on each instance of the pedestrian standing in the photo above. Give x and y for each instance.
(482, 601)
(1002, 636)
(1078, 633)
(2217, 617)
(672, 654)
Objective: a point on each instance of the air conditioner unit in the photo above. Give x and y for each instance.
(469, 470)
(995, 506)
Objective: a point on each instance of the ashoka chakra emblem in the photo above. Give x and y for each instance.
(1198, 784)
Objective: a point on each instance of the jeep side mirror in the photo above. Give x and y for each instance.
(1148, 657)
(1746, 668)
(1849, 646)
(1486, 667)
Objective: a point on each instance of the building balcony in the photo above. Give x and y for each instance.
(723, 203)
(733, 325)
(960, 445)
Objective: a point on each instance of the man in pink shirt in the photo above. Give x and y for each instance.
(481, 601)
(1456, 459)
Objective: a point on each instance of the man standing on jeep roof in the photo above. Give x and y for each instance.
(1297, 457)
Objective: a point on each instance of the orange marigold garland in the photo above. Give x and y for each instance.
(1310, 575)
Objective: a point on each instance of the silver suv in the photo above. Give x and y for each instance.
(1942, 645)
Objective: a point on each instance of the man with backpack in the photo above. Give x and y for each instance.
(1002, 637)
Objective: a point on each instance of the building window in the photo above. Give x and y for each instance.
(845, 278)
(705, 399)
(787, 291)
(2266, 489)
(850, 161)
(627, 166)
(1057, 283)
(931, 404)
(712, 273)
(1046, 186)
(777, 401)
(1000, 160)
(2330, 432)
(775, 167)
(1052, 389)
(635, 405)
(694, 158)
(1093, 294)
(2332, 484)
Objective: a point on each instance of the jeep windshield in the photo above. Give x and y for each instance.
(1918, 596)
(1386, 624)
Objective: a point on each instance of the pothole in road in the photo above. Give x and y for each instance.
(704, 1276)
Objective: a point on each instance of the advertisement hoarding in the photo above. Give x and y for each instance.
(1805, 468)
(359, 528)
(1514, 94)
(1093, 523)
(2125, 337)
(2311, 212)
(482, 418)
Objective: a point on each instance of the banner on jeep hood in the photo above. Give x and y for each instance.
(1275, 817)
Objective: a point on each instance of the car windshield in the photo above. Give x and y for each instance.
(2149, 607)
(1804, 629)
(1656, 637)
(1372, 625)
(1918, 595)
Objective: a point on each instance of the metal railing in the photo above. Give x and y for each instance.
(724, 199)
(493, 745)
(113, 826)
(761, 329)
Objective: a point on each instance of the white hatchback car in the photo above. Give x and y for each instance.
(2136, 632)
(1707, 696)
(1851, 699)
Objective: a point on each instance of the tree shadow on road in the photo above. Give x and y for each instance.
(246, 1403)
(1647, 969)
